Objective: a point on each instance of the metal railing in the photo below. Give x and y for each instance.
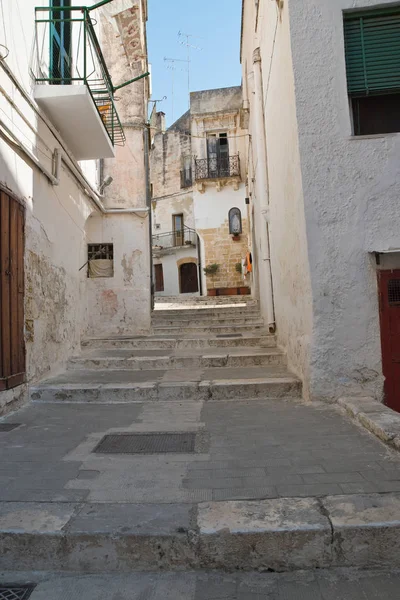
(215, 168)
(67, 52)
(175, 239)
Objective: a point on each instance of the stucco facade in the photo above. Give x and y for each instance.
(184, 183)
(332, 196)
(64, 211)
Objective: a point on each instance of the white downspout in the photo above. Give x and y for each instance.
(263, 186)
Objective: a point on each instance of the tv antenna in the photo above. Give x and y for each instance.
(170, 65)
(187, 42)
(156, 101)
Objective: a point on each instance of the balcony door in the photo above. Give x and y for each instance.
(177, 226)
(218, 155)
(60, 42)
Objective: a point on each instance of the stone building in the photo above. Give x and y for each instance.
(75, 247)
(200, 216)
(324, 182)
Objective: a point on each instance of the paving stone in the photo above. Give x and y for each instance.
(306, 490)
(332, 478)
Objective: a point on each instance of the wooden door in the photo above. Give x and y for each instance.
(389, 296)
(177, 224)
(188, 277)
(159, 276)
(12, 347)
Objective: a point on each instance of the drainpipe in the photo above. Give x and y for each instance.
(263, 187)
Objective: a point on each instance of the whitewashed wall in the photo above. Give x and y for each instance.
(333, 197)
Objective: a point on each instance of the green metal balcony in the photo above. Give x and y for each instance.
(73, 85)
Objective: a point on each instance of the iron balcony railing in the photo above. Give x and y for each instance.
(175, 239)
(67, 52)
(215, 168)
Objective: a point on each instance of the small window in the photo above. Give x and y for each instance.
(186, 173)
(159, 278)
(372, 46)
(235, 221)
(100, 260)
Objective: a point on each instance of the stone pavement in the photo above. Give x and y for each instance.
(251, 449)
(321, 585)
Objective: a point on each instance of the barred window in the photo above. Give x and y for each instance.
(100, 260)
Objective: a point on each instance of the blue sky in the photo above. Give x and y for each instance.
(216, 23)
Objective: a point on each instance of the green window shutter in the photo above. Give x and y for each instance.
(372, 46)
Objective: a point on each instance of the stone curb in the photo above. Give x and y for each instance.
(272, 387)
(374, 416)
(265, 535)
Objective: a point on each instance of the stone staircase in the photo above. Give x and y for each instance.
(200, 351)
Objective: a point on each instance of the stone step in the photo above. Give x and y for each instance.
(221, 383)
(205, 315)
(165, 321)
(274, 535)
(203, 328)
(110, 360)
(205, 300)
(190, 342)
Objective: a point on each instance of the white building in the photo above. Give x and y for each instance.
(324, 179)
(59, 132)
(200, 216)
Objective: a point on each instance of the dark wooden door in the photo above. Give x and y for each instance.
(12, 348)
(389, 296)
(159, 273)
(189, 280)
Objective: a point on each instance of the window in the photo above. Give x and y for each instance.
(372, 46)
(159, 278)
(60, 42)
(186, 173)
(177, 226)
(218, 155)
(100, 260)
(235, 221)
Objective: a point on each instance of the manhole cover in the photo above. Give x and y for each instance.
(149, 443)
(8, 427)
(229, 335)
(16, 591)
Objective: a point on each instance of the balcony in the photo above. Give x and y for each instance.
(73, 85)
(221, 170)
(169, 242)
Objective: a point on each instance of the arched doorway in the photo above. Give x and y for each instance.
(188, 280)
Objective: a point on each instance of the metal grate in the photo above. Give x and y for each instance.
(8, 426)
(149, 443)
(394, 291)
(16, 591)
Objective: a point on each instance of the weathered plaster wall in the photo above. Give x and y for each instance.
(351, 193)
(120, 304)
(289, 257)
(165, 208)
(166, 160)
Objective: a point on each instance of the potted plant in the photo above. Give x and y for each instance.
(211, 271)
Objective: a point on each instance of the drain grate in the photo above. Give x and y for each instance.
(148, 443)
(8, 427)
(16, 591)
(229, 335)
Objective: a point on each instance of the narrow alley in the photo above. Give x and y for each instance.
(199, 300)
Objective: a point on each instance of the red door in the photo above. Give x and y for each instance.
(389, 297)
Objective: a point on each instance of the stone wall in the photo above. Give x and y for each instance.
(220, 248)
